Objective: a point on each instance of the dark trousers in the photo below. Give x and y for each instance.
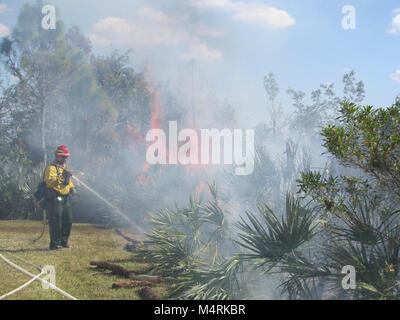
(60, 220)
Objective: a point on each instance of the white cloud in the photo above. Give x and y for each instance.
(265, 17)
(151, 28)
(395, 76)
(3, 7)
(255, 13)
(395, 27)
(4, 31)
(212, 3)
(202, 52)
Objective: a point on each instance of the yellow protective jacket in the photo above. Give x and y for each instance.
(56, 181)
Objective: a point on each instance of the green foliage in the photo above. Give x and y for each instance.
(211, 283)
(368, 139)
(271, 244)
(17, 183)
(356, 214)
(376, 267)
(62, 94)
(360, 227)
(190, 244)
(310, 118)
(303, 276)
(360, 215)
(275, 110)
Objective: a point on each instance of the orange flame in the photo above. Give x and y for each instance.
(202, 187)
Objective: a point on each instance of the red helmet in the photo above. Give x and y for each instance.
(62, 151)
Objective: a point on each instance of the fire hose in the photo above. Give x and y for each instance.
(43, 229)
(34, 278)
(21, 287)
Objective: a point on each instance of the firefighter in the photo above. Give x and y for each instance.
(60, 188)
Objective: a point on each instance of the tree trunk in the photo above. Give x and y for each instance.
(44, 134)
(147, 294)
(132, 284)
(120, 271)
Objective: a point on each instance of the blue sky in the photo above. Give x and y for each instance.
(236, 43)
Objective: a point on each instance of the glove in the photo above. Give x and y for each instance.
(73, 192)
(67, 177)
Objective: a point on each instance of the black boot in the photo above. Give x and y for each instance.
(55, 247)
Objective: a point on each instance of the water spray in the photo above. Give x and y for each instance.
(108, 203)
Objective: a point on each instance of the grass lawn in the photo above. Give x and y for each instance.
(73, 271)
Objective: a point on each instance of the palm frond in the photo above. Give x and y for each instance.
(185, 244)
(220, 283)
(271, 239)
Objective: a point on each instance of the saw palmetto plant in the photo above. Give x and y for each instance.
(308, 249)
(305, 277)
(376, 266)
(272, 239)
(351, 222)
(190, 245)
(174, 243)
(218, 282)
